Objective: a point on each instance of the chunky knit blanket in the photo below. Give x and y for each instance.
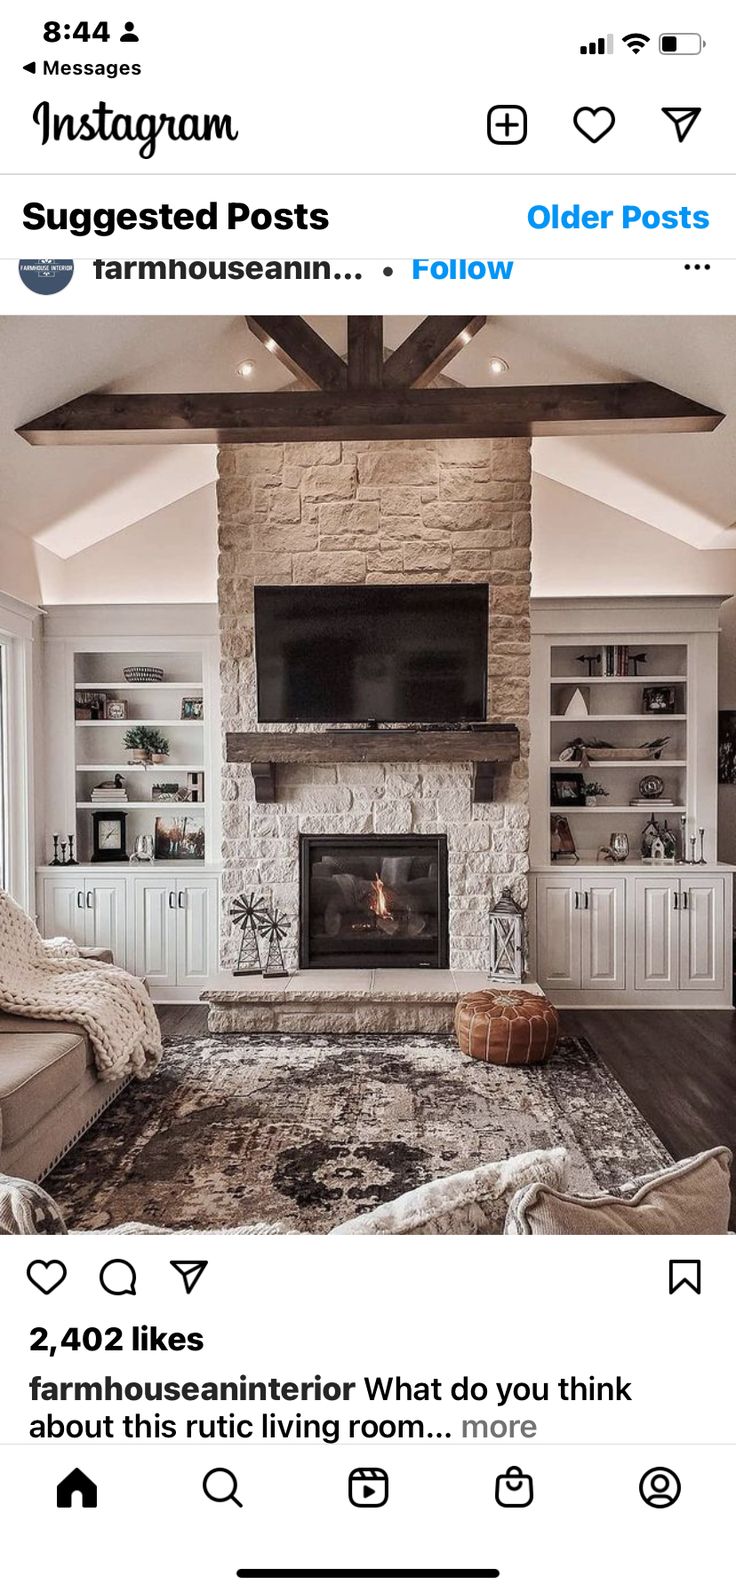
(48, 979)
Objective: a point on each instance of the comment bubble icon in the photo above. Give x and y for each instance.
(118, 1277)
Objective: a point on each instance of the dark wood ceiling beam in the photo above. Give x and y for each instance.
(304, 353)
(431, 346)
(595, 409)
(365, 351)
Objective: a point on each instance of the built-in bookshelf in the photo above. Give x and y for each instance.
(622, 686)
(171, 787)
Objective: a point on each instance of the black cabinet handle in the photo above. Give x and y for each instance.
(676, 902)
(182, 899)
(587, 900)
(90, 898)
(686, 901)
(80, 900)
(577, 900)
(172, 898)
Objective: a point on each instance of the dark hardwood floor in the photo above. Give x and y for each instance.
(678, 1067)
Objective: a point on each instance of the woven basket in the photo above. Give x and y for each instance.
(141, 674)
(621, 754)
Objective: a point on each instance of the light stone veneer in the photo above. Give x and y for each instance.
(375, 512)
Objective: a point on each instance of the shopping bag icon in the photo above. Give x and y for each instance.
(514, 1490)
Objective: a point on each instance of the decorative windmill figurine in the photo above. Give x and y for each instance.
(247, 915)
(274, 926)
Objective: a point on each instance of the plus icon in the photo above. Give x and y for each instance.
(507, 124)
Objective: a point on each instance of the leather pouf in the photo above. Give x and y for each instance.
(507, 1027)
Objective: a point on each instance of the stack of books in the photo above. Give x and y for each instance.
(109, 795)
(615, 661)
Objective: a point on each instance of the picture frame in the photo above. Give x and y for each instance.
(562, 844)
(178, 839)
(109, 837)
(727, 746)
(192, 707)
(567, 789)
(658, 699)
(90, 705)
(116, 708)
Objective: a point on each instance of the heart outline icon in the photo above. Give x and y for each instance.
(47, 1268)
(594, 112)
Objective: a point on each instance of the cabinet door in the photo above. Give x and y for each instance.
(702, 956)
(105, 915)
(155, 917)
(559, 911)
(196, 929)
(657, 932)
(63, 907)
(602, 923)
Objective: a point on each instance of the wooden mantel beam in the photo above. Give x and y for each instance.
(577, 409)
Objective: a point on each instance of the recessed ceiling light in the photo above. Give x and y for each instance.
(246, 368)
(497, 366)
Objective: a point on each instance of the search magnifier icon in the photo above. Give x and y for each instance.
(221, 1487)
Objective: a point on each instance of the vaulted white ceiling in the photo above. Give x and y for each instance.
(67, 499)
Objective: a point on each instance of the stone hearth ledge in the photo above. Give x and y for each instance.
(374, 1001)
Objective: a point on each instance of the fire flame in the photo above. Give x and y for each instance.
(379, 904)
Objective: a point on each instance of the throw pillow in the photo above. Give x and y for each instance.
(467, 1202)
(25, 1208)
(690, 1198)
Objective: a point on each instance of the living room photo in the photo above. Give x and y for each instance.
(368, 776)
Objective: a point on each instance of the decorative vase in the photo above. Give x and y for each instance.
(619, 846)
(159, 757)
(591, 801)
(140, 754)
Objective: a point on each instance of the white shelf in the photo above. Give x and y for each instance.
(138, 685)
(116, 724)
(602, 807)
(617, 718)
(620, 762)
(618, 679)
(127, 807)
(135, 768)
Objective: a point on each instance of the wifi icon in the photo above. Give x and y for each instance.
(636, 41)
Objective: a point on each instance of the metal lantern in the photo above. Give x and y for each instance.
(507, 941)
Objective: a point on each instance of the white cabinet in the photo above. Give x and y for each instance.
(89, 908)
(633, 937)
(581, 932)
(161, 924)
(701, 934)
(175, 929)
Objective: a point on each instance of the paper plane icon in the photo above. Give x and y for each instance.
(190, 1272)
(683, 118)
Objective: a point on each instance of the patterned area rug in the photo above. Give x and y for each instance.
(308, 1132)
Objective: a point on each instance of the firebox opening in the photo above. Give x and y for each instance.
(373, 901)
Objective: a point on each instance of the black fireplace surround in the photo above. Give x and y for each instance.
(373, 901)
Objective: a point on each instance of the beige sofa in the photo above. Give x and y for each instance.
(50, 1093)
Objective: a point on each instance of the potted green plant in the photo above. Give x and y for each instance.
(591, 791)
(147, 745)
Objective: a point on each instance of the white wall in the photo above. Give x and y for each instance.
(19, 575)
(170, 557)
(582, 548)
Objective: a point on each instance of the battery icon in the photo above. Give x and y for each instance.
(681, 43)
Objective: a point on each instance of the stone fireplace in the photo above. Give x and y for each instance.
(376, 513)
(373, 901)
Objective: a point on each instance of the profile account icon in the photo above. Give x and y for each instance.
(660, 1487)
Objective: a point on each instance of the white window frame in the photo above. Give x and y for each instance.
(16, 635)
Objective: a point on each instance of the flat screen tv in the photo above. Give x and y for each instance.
(371, 654)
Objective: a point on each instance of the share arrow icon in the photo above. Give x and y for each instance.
(683, 118)
(190, 1272)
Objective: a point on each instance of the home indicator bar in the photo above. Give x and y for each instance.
(371, 1575)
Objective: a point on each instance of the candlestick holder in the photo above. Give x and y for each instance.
(691, 858)
(683, 838)
(63, 853)
(55, 860)
(701, 858)
(71, 859)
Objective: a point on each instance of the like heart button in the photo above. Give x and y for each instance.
(46, 1275)
(594, 123)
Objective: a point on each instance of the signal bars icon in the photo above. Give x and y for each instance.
(601, 46)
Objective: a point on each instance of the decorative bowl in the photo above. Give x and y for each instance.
(143, 674)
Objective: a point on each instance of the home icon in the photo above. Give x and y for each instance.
(76, 1482)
